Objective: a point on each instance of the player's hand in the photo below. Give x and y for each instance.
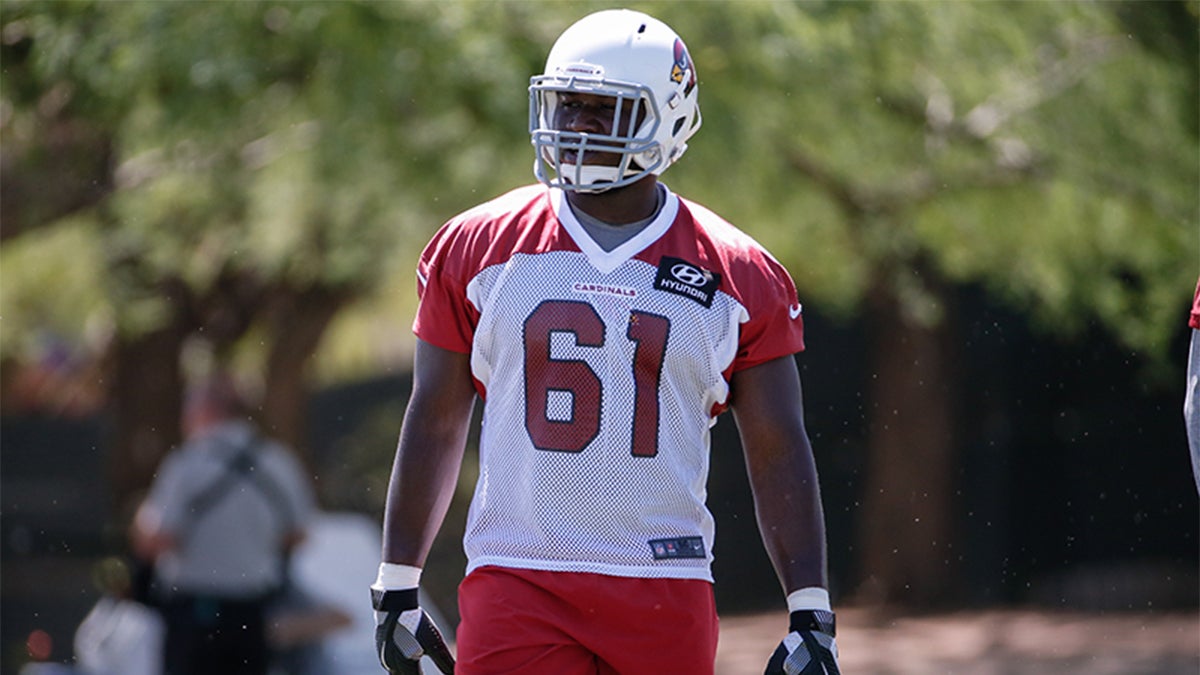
(404, 633)
(809, 649)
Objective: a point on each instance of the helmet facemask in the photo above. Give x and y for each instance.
(634, 143)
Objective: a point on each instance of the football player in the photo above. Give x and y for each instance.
(605, 322)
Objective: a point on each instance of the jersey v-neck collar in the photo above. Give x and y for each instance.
(607, 261)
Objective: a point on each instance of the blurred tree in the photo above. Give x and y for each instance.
(1038, 149)
(250, 171)
(247, 174)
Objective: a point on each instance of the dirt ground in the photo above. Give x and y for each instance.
(1009, 642)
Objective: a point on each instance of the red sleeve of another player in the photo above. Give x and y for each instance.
(445, 318)
(1194, 321)
(775, 327)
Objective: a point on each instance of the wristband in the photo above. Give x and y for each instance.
(395, 601)
(393, 576)
(813, 597)
(813, 620)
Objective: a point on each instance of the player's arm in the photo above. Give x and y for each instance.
(424, 475)
(429, 454)
(769, 409)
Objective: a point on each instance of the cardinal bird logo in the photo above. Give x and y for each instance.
(683, 67)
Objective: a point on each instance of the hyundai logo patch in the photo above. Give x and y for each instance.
(683, 278)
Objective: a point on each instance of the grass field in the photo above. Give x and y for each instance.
(1010, 642)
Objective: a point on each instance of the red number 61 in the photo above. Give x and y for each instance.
(545, 375)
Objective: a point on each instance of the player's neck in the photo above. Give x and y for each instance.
(619, 206)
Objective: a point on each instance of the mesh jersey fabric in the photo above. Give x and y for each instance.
(601, 375)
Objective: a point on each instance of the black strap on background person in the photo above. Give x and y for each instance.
(241, 465)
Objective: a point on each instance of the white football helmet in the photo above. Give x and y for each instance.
(639, 61)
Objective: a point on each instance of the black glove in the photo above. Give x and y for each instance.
(404, 633)
(809, 649)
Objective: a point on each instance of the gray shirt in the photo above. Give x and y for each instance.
(233, 547)
(608, 236)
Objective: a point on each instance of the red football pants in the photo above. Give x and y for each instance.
(530, 622)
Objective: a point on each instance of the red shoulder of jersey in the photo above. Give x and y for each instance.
(773, 325)
(1194, 321)
(489, 234)
(524, 221)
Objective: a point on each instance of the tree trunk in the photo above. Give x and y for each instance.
(146, 401)
(907, 536)
(297, 321)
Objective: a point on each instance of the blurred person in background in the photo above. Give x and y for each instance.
(1191, 401)
(119, 636)
(221, 517)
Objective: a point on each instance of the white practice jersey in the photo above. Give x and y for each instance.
(602, 373)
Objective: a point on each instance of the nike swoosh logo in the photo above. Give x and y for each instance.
(794, 311)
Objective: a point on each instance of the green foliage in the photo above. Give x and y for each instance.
(1037, 148)
(59, 265)
(305, 144)
(1033, 147)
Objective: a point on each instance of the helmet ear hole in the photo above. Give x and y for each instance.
(679, 122)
